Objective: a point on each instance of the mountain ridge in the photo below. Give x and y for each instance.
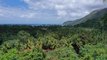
(94, 15)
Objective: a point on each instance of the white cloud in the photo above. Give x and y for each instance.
(66, 8)
(44, 9)
(16, 13)
(29, 15)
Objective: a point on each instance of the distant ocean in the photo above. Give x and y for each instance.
(32, 24)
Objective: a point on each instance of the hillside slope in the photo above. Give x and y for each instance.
(91, 18)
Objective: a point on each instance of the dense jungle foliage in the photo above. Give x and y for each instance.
(22, 42)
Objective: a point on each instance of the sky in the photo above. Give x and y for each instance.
(46, 11)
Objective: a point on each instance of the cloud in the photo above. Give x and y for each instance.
(52, 9)
(66, 8)
(10, 12)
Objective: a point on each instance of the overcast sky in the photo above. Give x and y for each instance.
(45, 11)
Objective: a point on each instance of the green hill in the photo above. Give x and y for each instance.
(94, 19)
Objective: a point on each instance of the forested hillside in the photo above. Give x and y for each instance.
(94, 16)
(21, 42)
(98, 24)
(53, 29)
(83, 41)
